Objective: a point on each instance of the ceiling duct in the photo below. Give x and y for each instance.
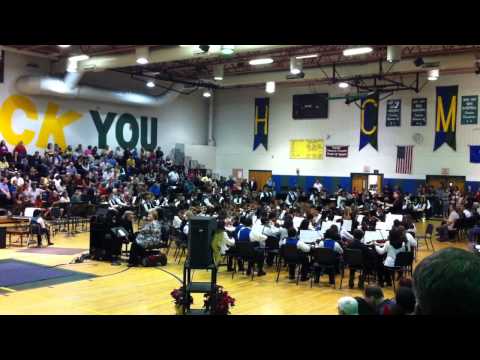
(68, 88)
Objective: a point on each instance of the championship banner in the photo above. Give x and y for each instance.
(469, 110)
(394, 112)
(446, 116)
(262, 111)
(369, 122)
(337, 151)
(306, 149)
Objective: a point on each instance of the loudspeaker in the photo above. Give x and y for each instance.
(200, 241)
(3, 238)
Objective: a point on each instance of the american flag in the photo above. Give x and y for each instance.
(404, 159)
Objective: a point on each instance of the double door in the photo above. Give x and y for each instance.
(260, 176)
(366, 181)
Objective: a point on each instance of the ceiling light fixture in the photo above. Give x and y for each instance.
(357, 51)
(218, 72)
(79, 58)
(207, 93)
(150, 84)
(343, 85)
(270, 87)
(306, 56)
(296, 66)
(142, 54)
(264, 61)
(64, 46)
(433, 74)
(227, 49)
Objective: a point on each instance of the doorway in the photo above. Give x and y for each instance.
(367, 181)
(436, 181)
(260, 176)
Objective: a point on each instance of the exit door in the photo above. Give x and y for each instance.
(367, 181)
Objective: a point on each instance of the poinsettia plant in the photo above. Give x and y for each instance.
(180, 298)
(219, 302)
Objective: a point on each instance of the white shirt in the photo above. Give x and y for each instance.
(176, 222)
(344, 234)
(41, 222)
(318, 186)
(303, 247)
(392, 252)
(20, 181)
(255, 236)
(173, 177)
(411, 240)
(453, 217)
(226, 243)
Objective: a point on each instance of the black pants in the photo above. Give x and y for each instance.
(41, 232)
(385, 275)
(258, 259)
(351, 280)
(305, 265)
(136, 252)
(330, 272)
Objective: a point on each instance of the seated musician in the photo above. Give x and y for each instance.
(127, 223)
(303, 250)
(379, 214)
(329, 243)
(149, 237)
(307, 223)
(369, 222)
(368, 258)
(115, 202)
(397, 242)
(397, 206)
(246, 234)
(221, 242)
(37, 219)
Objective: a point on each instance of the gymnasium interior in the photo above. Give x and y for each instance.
(234, 179)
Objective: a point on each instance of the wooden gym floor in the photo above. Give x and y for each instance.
(146, 291)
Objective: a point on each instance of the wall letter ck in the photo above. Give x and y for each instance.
(53, 126)
(12, 104)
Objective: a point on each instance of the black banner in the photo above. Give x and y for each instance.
(369, 122)
(446, 116)
(394, 112)
(337, 151)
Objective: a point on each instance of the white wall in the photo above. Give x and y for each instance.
(234, 122)
(204, 154)
(183, 121)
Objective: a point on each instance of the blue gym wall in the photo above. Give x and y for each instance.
(330, 183)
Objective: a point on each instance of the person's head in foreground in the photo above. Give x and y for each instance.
(448, 282)
(373, 295)
(347, 306)
(404, 301)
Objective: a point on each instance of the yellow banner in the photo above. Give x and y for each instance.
(307, 149)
